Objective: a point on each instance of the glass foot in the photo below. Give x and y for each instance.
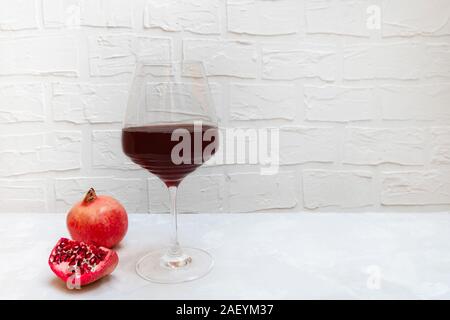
(159, 266)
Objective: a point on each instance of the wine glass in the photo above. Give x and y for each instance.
(170, 129)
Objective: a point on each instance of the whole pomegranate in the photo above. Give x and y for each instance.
(99, 220)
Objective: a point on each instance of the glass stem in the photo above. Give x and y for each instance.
(174, 250)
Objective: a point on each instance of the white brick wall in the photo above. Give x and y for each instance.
(363, 112)
(94, 13)
(223, 57)
(39, 55)
(39, 152)
(196, 16)
(293, 61)
(263, 17)
(324, 188)
(94, 103)
(344, 17)
(415, 102)
(107, 151)
(415, 187)
(338, 103)
(18, 15)
(132, 193)
(372, 146)
(416, 17)
(208, 190)
(28, 102)
(262, 102)
(111, 55)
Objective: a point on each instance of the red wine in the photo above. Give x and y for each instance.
(151, 147)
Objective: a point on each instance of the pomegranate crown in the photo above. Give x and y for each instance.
(90, 196)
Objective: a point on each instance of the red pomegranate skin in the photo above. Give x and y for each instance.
(98, 219)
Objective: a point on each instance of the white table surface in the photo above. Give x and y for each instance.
(257, 256)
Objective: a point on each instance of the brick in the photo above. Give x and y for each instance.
(196, 16)
(40, 152)
(307, 61)
(438, 63)
(199, 193)
(107, 151)
(415, 102)
(93, 103)
(300, 144)
(260, 102)
(234, 143)
(415, 188)
(347, 189)
(131, 193)
(18, 15)
(343, 17)
(116, 54)
(416, 17)
(92, 13)
(217, 95)
(338, 103)
(440, 145)
(258, 17)
(249, 192)
(49, 55)
(21, 103)
(26, 142)
(23, 196)
(372, 146)
(402, 61)
(223, 58)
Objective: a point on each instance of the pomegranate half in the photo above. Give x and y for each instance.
(81, 263)
(99, 220)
